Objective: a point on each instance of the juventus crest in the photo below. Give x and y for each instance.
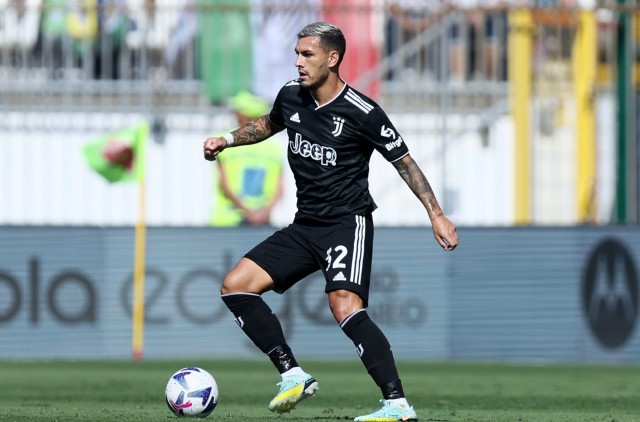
(339, 122)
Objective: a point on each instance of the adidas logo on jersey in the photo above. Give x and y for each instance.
(340, 277)
(295, 118)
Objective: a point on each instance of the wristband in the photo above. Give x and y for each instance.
(229, 138)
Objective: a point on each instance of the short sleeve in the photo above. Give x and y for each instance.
(276, 115)
(383, 135)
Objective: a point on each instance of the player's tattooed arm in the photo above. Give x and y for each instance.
(418, 183)
(256, 130)
(444, 230)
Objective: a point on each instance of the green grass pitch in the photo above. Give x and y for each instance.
(134, 391)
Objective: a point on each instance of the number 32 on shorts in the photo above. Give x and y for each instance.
(335, 256)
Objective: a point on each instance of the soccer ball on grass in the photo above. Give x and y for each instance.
(192, 392)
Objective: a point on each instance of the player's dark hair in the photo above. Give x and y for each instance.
(331, 37)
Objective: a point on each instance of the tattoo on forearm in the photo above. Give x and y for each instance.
(256, 130)
(417, 181)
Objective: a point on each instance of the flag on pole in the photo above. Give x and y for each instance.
(119, 156)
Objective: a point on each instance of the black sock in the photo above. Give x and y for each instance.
(256, 319)
(392, 390)
(282, 358)
(375, 352)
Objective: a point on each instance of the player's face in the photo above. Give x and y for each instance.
(313, 62)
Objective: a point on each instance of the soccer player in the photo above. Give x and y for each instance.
(333, 130)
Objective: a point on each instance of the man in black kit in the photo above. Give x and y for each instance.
(333, 130)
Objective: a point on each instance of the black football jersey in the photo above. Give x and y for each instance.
(330, 147)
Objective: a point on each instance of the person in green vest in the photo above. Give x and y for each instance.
(67, 34)
(249, 180)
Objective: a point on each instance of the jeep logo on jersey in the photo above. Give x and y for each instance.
(317, 152)
(610, 294)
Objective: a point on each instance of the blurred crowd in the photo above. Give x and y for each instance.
(93, 34)
(243, 44)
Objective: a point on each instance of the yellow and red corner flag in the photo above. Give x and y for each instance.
(119, 156)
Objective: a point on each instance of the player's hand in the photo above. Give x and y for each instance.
(213, 147)
(445, 233)
(257, 217)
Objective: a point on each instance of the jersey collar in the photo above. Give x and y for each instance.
(344, 87)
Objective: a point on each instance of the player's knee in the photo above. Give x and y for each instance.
(246, 277)
(344, 303)
(233, 283)
(341, 312)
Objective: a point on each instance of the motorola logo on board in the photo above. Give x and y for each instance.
(610, 293)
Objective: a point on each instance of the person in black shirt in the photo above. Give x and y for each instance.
(333, 129)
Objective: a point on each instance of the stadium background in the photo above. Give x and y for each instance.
(528, 132)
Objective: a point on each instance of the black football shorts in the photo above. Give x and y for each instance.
(342, 249)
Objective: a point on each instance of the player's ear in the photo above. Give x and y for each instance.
(334, 58)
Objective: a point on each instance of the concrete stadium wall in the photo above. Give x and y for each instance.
(507, 294)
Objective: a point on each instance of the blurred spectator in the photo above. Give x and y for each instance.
(18, 26)
(114, 23)
(67, 31)
(82, 26)
(272, 23)
(179, 55)
(53, 28)
(406, 20)
(477, 37)
(143, 15)
(494, 64)
(153, 22)
(250, 179)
